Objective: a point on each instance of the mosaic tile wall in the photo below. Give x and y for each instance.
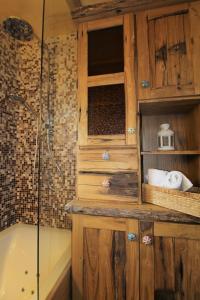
(8, 137)
(59, 172)
(28, 75)
(58, 134)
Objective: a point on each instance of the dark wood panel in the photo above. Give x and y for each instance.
(164, 268)
(104, 273)
(124, 184)
(187, 266)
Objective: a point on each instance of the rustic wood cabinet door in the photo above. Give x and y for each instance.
(105, 262)
(106, 86)
(168, 50)
(170, 264)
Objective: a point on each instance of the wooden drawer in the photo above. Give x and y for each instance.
(122, 187)
(120, 160)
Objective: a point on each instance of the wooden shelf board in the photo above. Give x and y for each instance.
(107, 79)
(171, 152)
(168, 105)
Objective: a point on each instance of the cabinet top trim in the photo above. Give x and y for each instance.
(116, 8)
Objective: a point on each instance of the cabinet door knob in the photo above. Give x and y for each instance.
(106, 183)
(145, 84)
(131, 236)
(147, 240)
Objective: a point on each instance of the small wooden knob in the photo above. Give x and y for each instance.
(106, 183)
(147, 240)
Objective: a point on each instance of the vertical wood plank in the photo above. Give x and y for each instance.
(91, 263)
(132, 263)
(119, 264)
(82, 83)
(77, 258)
(187, 33)
(173, 59)
(106, 283)
(161, 52)
(193, 267)
(180, 272)
(194, 12)
(164, 268)
(112, 262)
(143, 53)
(187, 265)
(152, 52)
(146, 263)
(130, 88)
(186, 65)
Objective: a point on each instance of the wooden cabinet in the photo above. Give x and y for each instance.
(105, 261)
(169, 266)
(168, 44)
(107, 156)
(119, 258)
(106, 86)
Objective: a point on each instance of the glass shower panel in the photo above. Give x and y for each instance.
(20, 74)
(57, 149)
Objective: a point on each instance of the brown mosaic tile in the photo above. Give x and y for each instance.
(20, 74)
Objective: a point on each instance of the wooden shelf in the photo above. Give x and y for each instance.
(171, 152)
(107, 79)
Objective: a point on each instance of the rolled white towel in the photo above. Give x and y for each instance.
(156, 177)
(173, 180)
(170, 180)
(186, 184)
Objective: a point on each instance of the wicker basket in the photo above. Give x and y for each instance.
(185, 202)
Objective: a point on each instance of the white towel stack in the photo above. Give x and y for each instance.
(170, 180)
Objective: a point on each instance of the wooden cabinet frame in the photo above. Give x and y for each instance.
(126, 77)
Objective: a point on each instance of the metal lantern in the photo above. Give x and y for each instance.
(165, 138)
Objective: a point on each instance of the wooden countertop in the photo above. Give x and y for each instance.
(147, 212)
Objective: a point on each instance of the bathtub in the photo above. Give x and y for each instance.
(18, 263)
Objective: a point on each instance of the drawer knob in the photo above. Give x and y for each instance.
(106, 155)
(131, 236)
(147, 240)
(131, 130)
(106, 183)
